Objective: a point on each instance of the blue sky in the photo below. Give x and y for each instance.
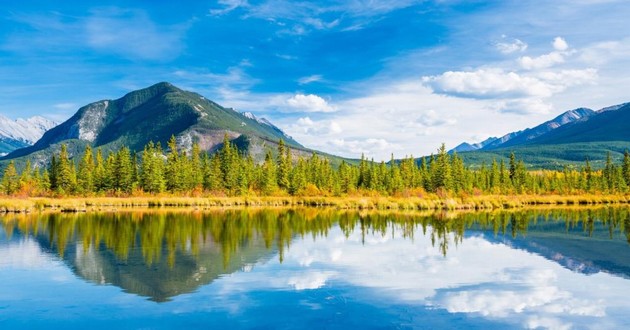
(346, 77)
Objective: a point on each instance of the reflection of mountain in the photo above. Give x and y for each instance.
(573, 248)
(160, 280)
(158, 255)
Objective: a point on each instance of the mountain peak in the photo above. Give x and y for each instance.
(25, 130)
(165, 86)
(613, 107)
(156, 113)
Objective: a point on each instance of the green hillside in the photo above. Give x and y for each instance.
(552, 156)
(155, 114)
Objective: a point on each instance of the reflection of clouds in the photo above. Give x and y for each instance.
(310, 281)
(24, 254)
(477, 277)
(531, 292)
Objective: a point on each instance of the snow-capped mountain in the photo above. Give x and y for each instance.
(465, 146)
(20, 133)
(25, 130)
(529, 134)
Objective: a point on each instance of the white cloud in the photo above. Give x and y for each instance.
(558, 56)
(309, 103)
(320, 24)
(287, 57)
(310, 79)
(542, 61)
(524, 106)
(567, 78)
(512, 46)
(228, 6)
(431, 118)
(301, 18)
(560, 44)
(487, 83)
(367, 146)
(605, 52)
(306, 125)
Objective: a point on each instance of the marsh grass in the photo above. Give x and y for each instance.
(427, 202)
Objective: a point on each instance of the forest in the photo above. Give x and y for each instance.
(228, 172)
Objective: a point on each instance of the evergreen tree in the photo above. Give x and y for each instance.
(625, 167)
(173, 167)
(283, 165)
(442, 177)
(100, 184)
(152, 170)
(65, 172)
(196, 168)
(269, 178)
(85, 178)
(10, 180)
(123, 171)
(589, 175)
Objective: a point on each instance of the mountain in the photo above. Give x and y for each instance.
(609, 125)
(568, 139)
(529, 134)
(155, 114)
(20, 133)
(465, 146)
(522, 137)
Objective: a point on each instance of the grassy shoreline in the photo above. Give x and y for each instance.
(434, 203)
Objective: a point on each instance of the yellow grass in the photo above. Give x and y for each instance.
(428, 202)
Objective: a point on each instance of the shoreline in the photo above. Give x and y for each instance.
(430, 203)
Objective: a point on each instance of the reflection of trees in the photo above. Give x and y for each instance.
(162, 254)
(230, 230)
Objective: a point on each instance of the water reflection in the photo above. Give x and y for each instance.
(486, 264)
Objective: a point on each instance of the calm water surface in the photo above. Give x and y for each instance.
(320, 269)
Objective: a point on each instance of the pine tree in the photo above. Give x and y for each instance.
(283, 165)
(173, 168)
(625, 167)
(588, 171)
(52, 172)
(608, 173)
(123, 171)
(26, 177)
(442, 177)
(196, 168)
(10, 179)
(65, 172)
(269, 178)
(85, 178)
(152, 170)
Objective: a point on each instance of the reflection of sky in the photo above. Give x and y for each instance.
(386, 281)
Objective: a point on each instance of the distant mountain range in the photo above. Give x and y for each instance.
(20, 133)
(568, 139)
(155, 114)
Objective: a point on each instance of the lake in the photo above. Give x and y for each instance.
(316, 268)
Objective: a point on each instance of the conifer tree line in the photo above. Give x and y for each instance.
(229, 172)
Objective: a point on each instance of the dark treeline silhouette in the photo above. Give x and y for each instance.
(229, 172)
